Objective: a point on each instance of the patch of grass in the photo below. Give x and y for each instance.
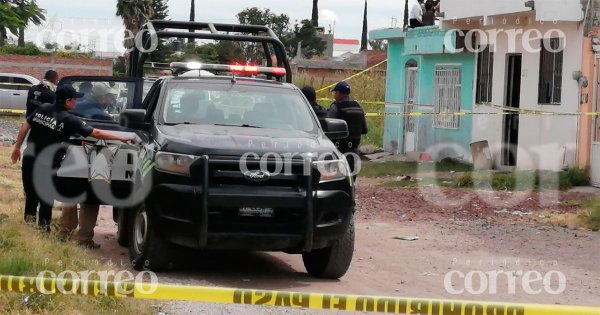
(590, 216)
(17, 265)
(373, 169)
(26, 252)
(523, 180)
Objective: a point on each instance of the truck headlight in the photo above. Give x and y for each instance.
(332, 170)
(174, 163)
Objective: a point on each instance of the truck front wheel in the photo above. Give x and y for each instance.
(146, 249)
(331, 262)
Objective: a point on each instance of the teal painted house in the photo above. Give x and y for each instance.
(426, 75)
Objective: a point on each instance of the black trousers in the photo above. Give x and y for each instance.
(32, 198)
(353, 159)
(414, 23)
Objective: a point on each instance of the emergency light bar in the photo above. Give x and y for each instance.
(241, 69)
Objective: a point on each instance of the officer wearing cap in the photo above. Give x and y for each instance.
(50, 125)
(350, 111)
(95, 106)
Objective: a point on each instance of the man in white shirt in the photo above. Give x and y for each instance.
(415, 13)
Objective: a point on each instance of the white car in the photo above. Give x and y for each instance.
(13, 90)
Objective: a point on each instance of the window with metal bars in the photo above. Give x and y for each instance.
(485, 70)
(551, 64)
(447, 88)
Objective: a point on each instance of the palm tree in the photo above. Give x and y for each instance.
(315, 13)
(9, 20)
(134, 14)
(29, 12)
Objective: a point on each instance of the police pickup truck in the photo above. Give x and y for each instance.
(231, 159)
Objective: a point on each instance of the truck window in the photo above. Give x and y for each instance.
(237, 105)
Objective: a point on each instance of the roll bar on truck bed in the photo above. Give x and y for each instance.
(155, 30)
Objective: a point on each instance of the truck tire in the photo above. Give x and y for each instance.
(123, 219)
(147, 250)
(331, 262)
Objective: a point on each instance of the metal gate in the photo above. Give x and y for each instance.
(595, 152)
(410, 126)
(447, 87)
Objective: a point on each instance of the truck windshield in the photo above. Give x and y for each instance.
(201, 103)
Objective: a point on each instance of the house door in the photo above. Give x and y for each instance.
(410, 126)
(510, 139)
(595, 158)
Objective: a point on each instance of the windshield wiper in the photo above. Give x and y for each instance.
(244, 125)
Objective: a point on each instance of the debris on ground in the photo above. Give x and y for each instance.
(403, 178)
(517, 212)
(406, 238)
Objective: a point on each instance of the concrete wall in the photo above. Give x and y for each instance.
(542, 139)
(36, 66)
(546, 10)
(454, 143)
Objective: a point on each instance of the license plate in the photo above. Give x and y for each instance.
(256, 212)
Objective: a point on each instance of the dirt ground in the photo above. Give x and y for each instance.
(458, 230)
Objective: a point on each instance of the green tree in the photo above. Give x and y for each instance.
(161, 12)
(315, 13)
(29, 12)
(192, 18)
(206, 53)
(134, 14)
(10, 21)
(305, 34)
(378, 44)
(279, 23)
(229, 52)
(160, 9)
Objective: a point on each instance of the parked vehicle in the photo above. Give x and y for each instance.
(13, 90)
(231, 157)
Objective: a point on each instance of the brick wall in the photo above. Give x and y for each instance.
(36, 66)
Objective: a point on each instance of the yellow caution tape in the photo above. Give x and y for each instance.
(327, 88)
(316, 301)
(12, 112)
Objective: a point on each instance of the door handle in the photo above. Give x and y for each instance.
(16, 94)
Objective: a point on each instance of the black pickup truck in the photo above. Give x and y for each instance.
(232, 158)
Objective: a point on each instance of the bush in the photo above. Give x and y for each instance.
(29, 49)
(590, 216)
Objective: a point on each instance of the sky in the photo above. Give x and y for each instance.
(84, 21)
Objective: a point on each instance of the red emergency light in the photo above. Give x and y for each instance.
(240, 69)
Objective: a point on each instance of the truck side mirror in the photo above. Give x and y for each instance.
(134, 119)
(335, 128)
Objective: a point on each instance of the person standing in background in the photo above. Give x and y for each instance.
(42, 93)
(352, 113)
(415, 13)
(311, 96)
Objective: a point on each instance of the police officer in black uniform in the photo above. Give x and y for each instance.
(349, 110)
(42, 93)
(311, 95)
(49, 125)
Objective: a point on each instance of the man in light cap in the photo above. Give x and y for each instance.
(350, 111)
(95, 107)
